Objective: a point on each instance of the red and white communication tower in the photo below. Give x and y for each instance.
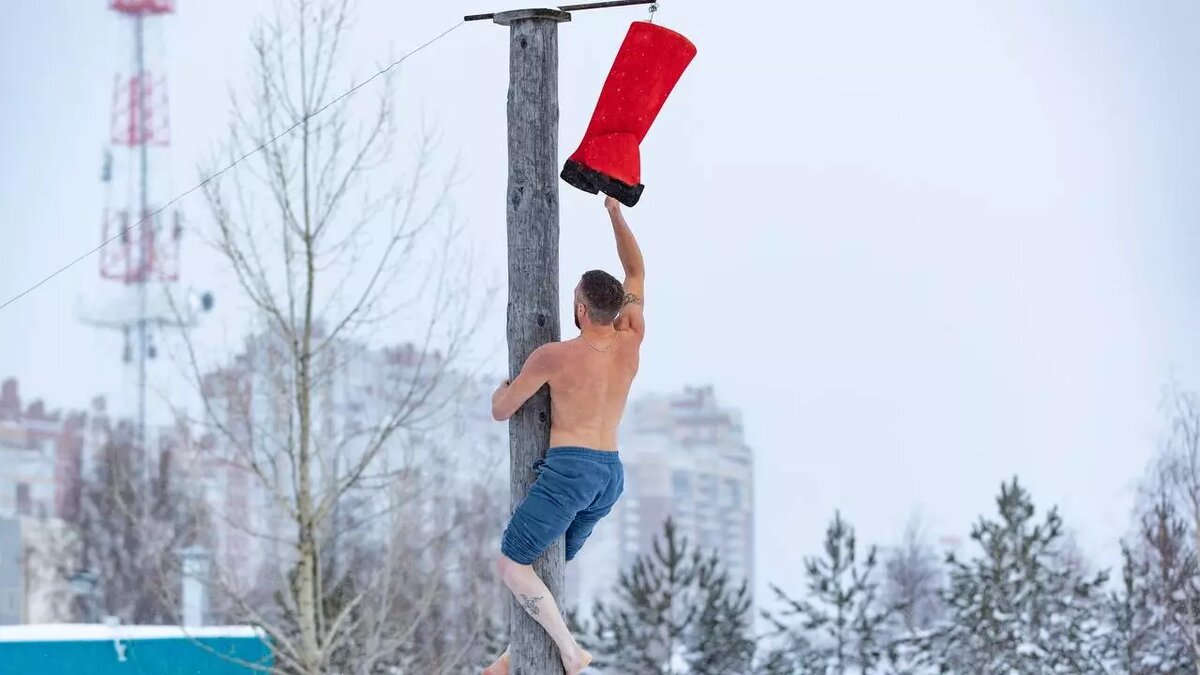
(143, 256)
(140, 123)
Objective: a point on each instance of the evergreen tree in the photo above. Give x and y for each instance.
(840, 627)
(1018, 606)
(795, 655)
(676, 612)
(777, 662)
(721, 644)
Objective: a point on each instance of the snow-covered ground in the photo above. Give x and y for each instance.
(68, 632)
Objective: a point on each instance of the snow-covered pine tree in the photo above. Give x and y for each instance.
(646, 626)
(1018, 606)
(793, 655)
(721, 642)
(676, 611)
(840, 626)
(776, 662)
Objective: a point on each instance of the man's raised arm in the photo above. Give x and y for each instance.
(632, 316)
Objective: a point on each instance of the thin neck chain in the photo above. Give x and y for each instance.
(602, 351)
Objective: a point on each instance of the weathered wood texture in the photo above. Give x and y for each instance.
(533, 286)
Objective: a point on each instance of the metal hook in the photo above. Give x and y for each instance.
(653, 9)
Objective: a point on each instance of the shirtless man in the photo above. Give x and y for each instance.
(581, 478)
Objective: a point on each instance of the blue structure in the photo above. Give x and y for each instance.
(96, 649)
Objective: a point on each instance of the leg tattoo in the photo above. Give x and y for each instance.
(532, 595)
(530, 604)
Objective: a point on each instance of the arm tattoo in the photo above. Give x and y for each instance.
(531, 604)
(632, 299)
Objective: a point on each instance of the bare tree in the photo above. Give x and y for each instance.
(914, 581)
(134, 520)
(319, 441)
(1179, 467)
(1178, 491)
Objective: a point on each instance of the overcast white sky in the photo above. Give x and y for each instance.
(923, 246)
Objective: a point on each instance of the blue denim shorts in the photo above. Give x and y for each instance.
(575, 488)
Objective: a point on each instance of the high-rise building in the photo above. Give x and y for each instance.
(439, 433)
(685, 458)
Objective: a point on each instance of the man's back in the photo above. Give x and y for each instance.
(589, 390)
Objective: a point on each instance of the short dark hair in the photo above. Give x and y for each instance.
(603, 295)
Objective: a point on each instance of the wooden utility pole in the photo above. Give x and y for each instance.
(532, 200)
(532, 204)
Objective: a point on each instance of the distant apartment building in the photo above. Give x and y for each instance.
(41, 457)
(443, 441)
(685, 458)
(46, 458)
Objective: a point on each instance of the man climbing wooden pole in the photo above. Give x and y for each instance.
(532, 282)
(564, 400)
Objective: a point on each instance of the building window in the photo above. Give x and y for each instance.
(24, 502)
(735, 493)
(682, 484)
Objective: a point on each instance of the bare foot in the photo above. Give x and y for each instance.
(580, 660)
(500, 667)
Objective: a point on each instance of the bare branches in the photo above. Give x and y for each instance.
(134, 519)
(913, 580)
(1174, 544)
(325, 434)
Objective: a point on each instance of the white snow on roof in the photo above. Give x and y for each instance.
(67, 632)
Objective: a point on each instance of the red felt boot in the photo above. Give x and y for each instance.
(650, 63)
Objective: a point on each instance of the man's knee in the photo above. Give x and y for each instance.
(502, 565)
(508, 569)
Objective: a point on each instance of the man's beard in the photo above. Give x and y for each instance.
(577, 324)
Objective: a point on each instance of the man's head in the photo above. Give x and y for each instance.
(598, 299)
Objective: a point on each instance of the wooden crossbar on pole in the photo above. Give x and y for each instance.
(573, 8)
